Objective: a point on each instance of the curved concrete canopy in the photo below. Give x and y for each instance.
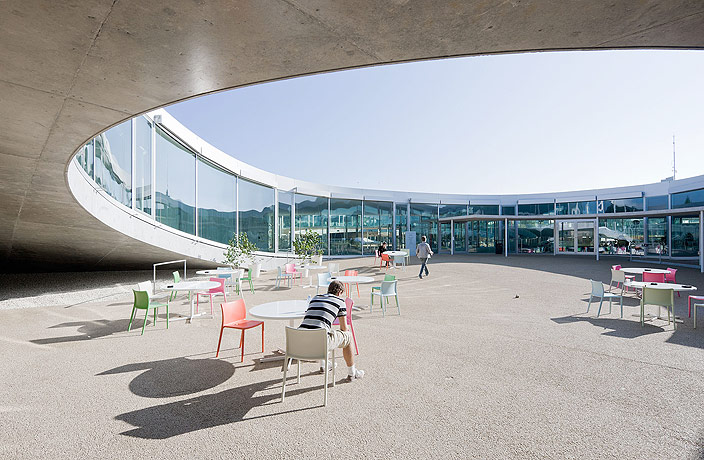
(68, 71)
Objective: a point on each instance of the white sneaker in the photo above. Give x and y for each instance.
(358, 374)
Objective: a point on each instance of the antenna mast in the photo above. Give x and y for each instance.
(674, 171)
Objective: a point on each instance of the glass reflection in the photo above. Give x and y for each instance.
(312, 214)
(217, 205)
(113, 162)
(460, 236)
(539, 209)
(657, 236)
(453, 210)
(256, 205)
(535, 236)
(687, 199)
(345, 226)
(143, 166)
(685, 236)
(621, 236)
(85, 158)
(624, 205)
(175, 183)
(424, 221)
(378, 221)
(654, 203)
(484, 209)
(401, 225)
(285, 208)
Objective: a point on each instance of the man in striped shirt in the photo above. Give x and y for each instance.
(321, 313)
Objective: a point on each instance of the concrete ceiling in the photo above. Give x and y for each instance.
(68, 70)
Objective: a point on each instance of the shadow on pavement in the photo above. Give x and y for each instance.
(618, 327)
(175, 377)
(89, 330)
(202, 412)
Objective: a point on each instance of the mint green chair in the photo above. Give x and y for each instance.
(378, 288)
(249, 279)
(388, 289)
(661, 298)
(142, 302)
(177, 279)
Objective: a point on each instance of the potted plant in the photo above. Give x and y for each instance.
(308, 244)
(240, 250)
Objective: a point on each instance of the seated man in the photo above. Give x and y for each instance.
(321, 313)
(382, 249)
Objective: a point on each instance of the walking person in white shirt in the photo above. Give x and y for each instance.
(423, 252)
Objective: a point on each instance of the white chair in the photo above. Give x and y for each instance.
(323, 281)
(147, 287)
(310, 345)
(618, 277)
(400, 260)
(695, 312)
(334, 268)
(408, 255)
(661, 298)
(388, 289)
(598, 291)
(281, 275)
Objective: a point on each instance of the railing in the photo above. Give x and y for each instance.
(167, 263)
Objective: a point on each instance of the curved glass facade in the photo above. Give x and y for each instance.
(143, 165)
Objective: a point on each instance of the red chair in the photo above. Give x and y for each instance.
(384, 258)
(214, 291)
(347, 285)
(291, 270)
(349, 303)
(689, 302)
(234, 316)
(653, 277)
(670, 277)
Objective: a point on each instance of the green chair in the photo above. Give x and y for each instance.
(177, 279)
(378, 288)
(247, 278)
(142, 302)
(388, 289)
(661, 298)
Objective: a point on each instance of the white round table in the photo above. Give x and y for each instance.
(192, 287)
(640, 271)
(395, 253)
(228, 271)
(673, 286)
(303, 268)
(352, 279)
(280, 310)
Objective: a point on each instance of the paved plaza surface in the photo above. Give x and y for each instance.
(491, 357)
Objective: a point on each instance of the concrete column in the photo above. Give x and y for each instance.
(596, 237)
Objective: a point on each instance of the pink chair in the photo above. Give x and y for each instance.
(349, 303)
(214, 291)
(670, 277)
(291, 270)
(628, 277)
(234, 316)
(347, 285)
(689, 302)
(653, 277)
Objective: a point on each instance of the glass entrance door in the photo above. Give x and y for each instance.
(460, 237)
(445, 237)
(575, 237)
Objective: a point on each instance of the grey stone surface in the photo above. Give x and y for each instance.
(468, 370)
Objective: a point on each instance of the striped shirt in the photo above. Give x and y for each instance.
(322, 311)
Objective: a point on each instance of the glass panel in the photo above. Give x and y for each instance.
(84, 158)
(445, 237)
(217, 204)
(377, 225)
(482, 235)
(424, 221)
(285, 207)
(175, 183)
(491, 209)
(576, 208)
(312, 213)
(536, 209)
(654, 203)
(657, 236)
(345, 226)
(685, 236)
(625, 205)
(508, 210)
(256, 205)
(621, 236)
(453, 210)
(460, 236)
(535, 236)
(401, 223)
(143, 166)
(512, 231)
(113, 162)
(565, 231)
(687, 199)
(585, 237)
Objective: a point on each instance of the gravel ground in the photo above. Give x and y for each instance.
(490, 358)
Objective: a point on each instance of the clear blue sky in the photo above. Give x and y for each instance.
(518, 123)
